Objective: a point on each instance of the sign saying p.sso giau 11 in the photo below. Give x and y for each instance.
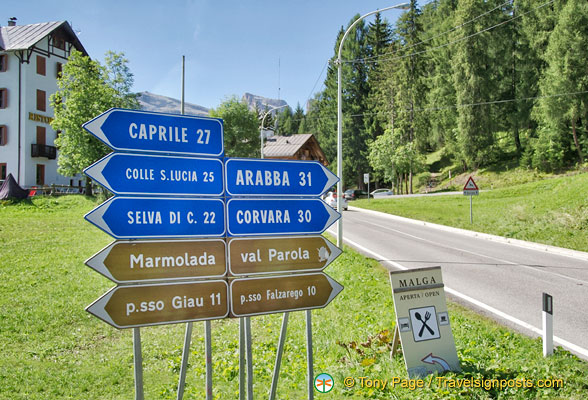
(163, 303)
(135, 261)
(139, 174)
(423, 321)
(263, 177)
(142, 131)
(159, 217)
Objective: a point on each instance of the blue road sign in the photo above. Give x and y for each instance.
(132, 130)
(159, 217)
(137, 174)
(263, 177)
(253, 217)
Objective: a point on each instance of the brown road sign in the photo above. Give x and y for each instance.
(251, 256)
(164, 303)
(156, 260)
(255, 296)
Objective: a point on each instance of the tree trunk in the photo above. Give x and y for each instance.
(576, 140)
(406, 183)
(88, 188)
(410, 179)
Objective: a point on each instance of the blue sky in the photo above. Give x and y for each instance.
(231, 46)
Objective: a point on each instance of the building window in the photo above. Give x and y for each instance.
(58, 69)
(41, 100)
(41, 135)
(3, 98)
(41, 65)
(59, 43)
(3, 135)
(40, 174)
(3, 62)
(2, 170)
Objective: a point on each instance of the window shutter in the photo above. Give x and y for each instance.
(3, 135)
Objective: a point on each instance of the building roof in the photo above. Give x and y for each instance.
(284, 146)
(23, 37)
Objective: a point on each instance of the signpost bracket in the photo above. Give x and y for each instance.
(395, 342)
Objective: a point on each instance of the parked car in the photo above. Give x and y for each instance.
(379, 193)
(331, 200)
(354, 194)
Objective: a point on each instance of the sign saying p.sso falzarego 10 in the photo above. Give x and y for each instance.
(423, 321)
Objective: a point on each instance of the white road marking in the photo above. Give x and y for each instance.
(479, 254)
(523, 324)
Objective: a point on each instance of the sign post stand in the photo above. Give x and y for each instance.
(241, 358)
(185, 355)
(138, 364)
(208, 355)
(276, 374)
(366, 179)
(309, 359)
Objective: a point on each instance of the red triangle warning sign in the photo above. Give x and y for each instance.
(470, 185)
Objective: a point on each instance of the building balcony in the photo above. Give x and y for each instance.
(41, 150)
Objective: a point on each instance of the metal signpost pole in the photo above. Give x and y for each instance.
(208, 355)
(241, 358)
(138, 364)
(309, 358)
(249, 358)
(184, 365)
(471, 213)
(276, 374)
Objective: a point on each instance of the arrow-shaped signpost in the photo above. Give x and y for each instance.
(267, 295)
(276, 198)
(136, 261)
(159, 217)
(164, 303)
(257, 217)
(255, 256)
(142, 131)
(139, 174)
(277, 178)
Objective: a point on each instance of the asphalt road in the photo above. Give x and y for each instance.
(501, 280)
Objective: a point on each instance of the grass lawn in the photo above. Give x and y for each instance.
(551, 211)
(52, 349)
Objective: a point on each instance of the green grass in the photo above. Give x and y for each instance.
(52, 349)
(551, 211)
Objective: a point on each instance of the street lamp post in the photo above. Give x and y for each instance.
(262, 122)
(403, 6)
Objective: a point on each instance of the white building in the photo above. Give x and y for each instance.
(31, 56)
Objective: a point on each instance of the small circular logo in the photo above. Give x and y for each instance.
(324, 383)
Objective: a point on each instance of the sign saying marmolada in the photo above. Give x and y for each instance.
(423, 321)
(132, 261)
(163, 303)
(253, 256)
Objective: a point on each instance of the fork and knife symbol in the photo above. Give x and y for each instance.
(424, 322)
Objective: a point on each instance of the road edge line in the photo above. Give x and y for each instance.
(490, 309)
(580, 255)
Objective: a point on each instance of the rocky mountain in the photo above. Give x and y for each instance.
(261, 102)
(164, 104)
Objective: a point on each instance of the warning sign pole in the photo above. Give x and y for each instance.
(471, 212)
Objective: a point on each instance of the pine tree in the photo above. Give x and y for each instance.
(564, 105)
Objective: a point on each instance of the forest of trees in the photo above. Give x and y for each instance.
(485, 82)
